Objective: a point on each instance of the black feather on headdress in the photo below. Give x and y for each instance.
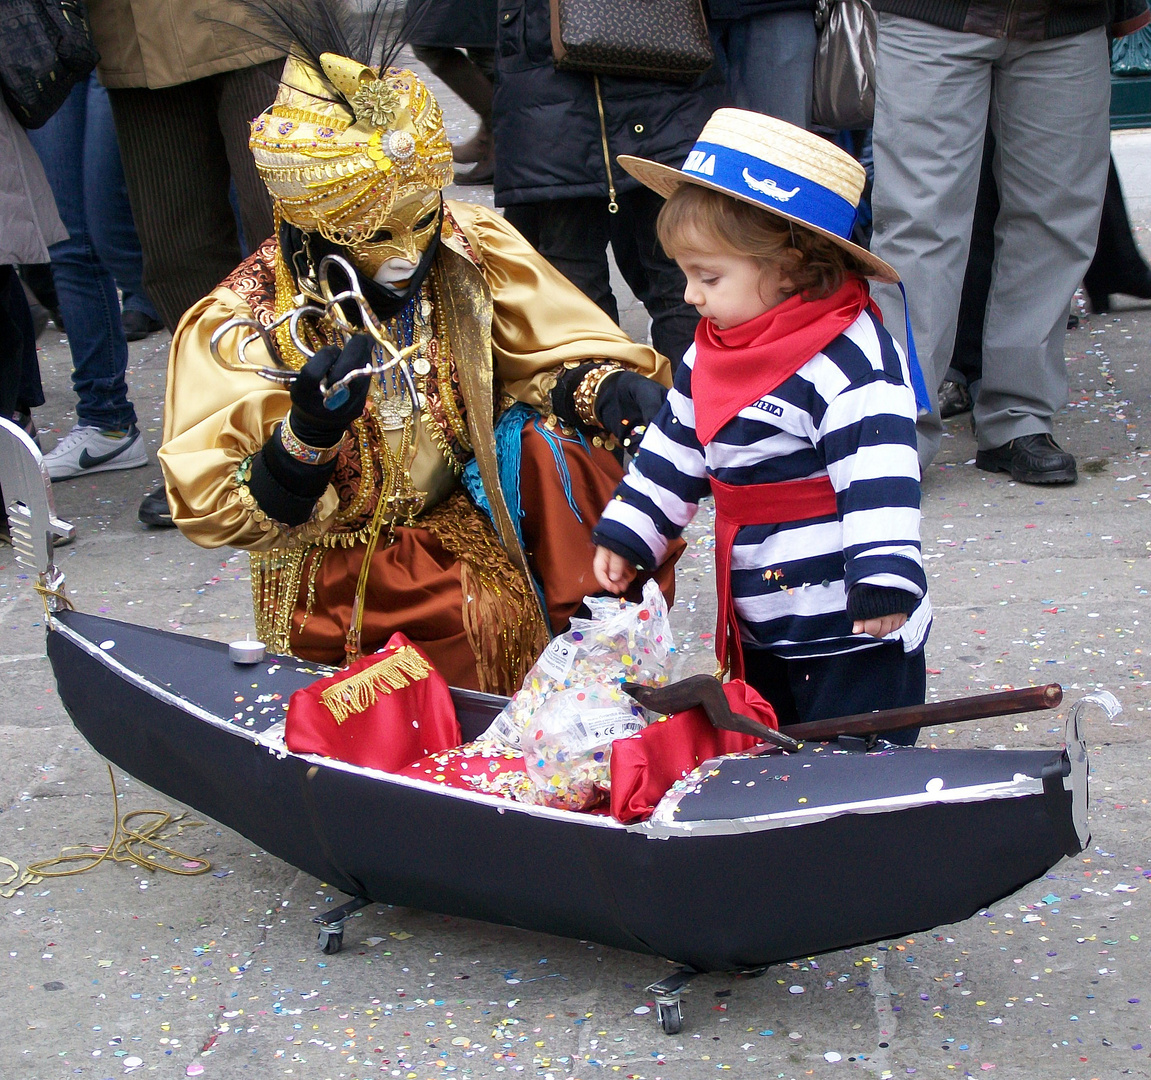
(370, 31)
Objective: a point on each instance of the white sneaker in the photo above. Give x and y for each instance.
(89, 450)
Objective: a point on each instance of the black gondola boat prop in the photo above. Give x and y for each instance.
(766, 858)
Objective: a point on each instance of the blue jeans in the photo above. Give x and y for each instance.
(767, 61)
(114, 230)
(82, 161)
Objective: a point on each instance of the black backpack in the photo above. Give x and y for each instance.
(45, 49)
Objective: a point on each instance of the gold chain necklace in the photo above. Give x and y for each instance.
(398, 497)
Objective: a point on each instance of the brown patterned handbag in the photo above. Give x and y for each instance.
(653, 39)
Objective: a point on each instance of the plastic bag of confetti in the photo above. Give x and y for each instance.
(567, 745)
(621, 642)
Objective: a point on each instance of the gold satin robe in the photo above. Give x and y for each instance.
(512, 321)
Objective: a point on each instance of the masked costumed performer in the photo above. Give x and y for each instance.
(469, 530)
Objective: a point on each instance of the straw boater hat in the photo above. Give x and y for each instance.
(776, 166)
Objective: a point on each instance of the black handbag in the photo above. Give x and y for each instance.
(653, 39)
(843, 80)
(45, 49)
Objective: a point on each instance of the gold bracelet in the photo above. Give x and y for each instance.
(301, 451)
(585, 394)
(547, 414)
(306, 532)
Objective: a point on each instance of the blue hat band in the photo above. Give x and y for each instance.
(771, 186)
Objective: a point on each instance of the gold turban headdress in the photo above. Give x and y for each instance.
(336, 163)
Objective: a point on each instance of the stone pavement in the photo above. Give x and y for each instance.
(118, 971)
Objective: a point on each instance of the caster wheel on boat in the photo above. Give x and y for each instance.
(670, 1018)
(331, 942)
(668, 1003)
(331, 924)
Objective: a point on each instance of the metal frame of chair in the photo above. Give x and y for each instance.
(31, 511)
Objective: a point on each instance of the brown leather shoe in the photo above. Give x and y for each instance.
(1030, 459)
(482, 172)
(475, 148)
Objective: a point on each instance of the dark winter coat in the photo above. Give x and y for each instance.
(547, 126)
(452, 24)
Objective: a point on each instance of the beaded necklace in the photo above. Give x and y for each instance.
(393, 401)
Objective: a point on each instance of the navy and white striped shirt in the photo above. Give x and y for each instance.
(848, 413)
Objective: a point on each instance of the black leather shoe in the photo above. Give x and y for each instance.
(154, 510)
(1030, 459)
(1137, 285)
(137, 325)
(954, 399)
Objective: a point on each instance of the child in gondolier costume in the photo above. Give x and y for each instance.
(796, 410)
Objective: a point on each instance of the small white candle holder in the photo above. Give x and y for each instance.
(246, 651)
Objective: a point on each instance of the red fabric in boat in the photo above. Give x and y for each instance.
(464, 767)
(382, 712)
(644, 766)
(494, 772)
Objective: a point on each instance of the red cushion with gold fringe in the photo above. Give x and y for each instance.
(382, 712)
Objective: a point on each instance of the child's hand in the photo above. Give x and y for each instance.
(881, 627)
(613, 572)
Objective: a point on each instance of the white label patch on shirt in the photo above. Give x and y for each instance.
(769, 407)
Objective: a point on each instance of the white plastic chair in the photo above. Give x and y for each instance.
(31, 512)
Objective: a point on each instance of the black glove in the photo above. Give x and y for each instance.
(312, 421)
(628, 401)
(285, 488)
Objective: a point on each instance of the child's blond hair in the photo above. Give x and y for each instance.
(697, 218)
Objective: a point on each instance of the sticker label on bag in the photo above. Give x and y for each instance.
(558, 658)
(598, 727)
(504, 729)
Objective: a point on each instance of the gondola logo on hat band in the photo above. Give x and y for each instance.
(768, 187)
(402, 668)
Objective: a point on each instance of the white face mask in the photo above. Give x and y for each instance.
(394, 270)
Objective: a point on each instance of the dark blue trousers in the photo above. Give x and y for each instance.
(883, 677)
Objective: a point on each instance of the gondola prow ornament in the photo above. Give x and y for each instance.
(31, 512)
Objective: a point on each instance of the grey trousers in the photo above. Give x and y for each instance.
(1048, 104)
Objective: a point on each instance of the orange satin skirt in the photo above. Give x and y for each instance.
(414, 583)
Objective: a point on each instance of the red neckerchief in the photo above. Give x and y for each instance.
(737, 366)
